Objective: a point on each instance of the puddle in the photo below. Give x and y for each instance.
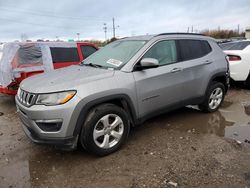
(192, 120)
(231, 121)
(239, 114)
(226, 104)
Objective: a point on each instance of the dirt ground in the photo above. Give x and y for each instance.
(184, 148)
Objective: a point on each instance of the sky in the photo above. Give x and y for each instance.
(63, 19)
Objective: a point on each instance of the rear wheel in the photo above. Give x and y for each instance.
(105, 129)
(247, 82)
(214, 97)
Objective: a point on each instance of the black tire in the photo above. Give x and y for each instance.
(87, 139)
(247, 82)
(204, 106)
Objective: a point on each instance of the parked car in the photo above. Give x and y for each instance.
(239, 60)
(22, 60)
(122, 85)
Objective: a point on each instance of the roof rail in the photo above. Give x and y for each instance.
(180, 34)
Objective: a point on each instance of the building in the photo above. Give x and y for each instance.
(247, 35)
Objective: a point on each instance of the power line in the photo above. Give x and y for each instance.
(85, 18)
(18, 7)
(41, 25)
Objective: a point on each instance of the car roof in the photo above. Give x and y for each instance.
(149, 37)
(50, 44)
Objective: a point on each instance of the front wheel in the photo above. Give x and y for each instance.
(105, 129)
(214, 97)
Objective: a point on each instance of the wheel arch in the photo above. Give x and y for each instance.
(121, 100)
(221, 77)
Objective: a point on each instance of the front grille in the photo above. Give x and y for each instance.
(26, 98)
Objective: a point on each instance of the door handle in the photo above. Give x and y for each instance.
(207, 62)
(176, 70)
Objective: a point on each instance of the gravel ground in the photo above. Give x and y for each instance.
(184, 148)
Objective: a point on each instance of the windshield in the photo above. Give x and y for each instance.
(235, 45)
(115, 54)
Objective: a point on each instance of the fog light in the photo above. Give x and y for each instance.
(49, 125)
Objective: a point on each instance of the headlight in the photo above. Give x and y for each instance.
(55, 98)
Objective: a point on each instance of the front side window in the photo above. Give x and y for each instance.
(115, 54)
(164, 52)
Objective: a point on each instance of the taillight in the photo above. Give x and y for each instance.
(234, 58)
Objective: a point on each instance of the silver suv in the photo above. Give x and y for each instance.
(121, 85)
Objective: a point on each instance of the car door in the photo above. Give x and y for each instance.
(197, 64)
(160, 87)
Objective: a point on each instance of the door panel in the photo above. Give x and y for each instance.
(194, 73)
(197, 61)
(158, 88)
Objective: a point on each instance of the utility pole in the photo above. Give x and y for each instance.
(78, 36)
(192, 29)
(113, 20)
(105, 31)
(114, 26)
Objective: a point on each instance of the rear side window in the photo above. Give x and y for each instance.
(164, 52)
(235, 45)
(64, 54)
(87, 50)
(29, 54)
(193, 49)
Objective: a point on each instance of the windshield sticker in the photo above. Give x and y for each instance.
(114, 62)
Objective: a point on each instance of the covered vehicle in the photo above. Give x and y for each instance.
(22, 60)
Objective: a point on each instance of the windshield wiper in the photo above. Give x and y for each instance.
(93, 65)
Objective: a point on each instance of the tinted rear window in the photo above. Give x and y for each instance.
(235, 45)
(87, 50)
(192, 49)
(64, 54)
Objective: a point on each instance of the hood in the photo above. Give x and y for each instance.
(64, 79)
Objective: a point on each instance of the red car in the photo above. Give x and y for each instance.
(22, 60)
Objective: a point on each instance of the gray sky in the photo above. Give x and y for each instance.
(64, 18)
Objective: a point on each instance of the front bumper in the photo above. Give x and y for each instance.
(37, 113)
(7, 90)
(69, 143)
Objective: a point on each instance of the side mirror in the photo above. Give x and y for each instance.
(149, 63)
